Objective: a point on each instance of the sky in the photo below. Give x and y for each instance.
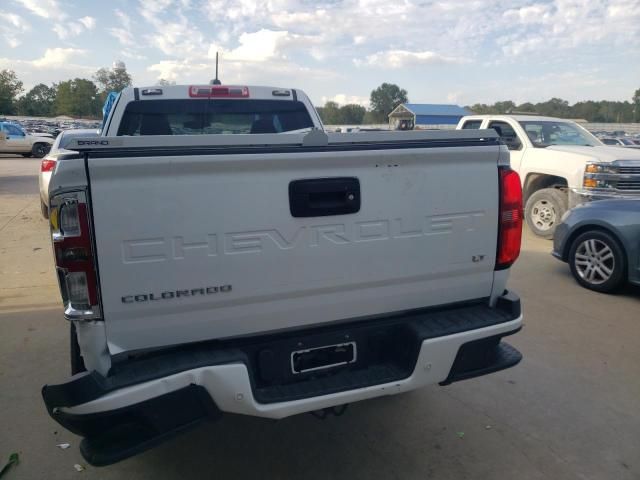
(452, 51)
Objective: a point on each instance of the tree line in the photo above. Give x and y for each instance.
(603, 111)
(381, 102)
(81, 97)
(78, 97)
(388, 96)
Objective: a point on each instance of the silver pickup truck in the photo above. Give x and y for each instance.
(217, 251)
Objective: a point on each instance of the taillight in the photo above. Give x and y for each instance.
(218, 91)
(47, 165)
(73, 252)
(510, 218)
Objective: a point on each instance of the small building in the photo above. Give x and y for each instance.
(408, 116)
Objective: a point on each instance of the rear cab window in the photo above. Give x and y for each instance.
(507, 134)
(471, 125)
(213, 116)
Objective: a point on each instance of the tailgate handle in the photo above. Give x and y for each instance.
(321, 197)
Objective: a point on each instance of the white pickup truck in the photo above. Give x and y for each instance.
(212, 260)
(561, 165)
(13, 139)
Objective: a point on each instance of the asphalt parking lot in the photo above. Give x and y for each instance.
(570, 410)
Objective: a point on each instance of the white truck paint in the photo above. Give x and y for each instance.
(557, 172)
(13, 139)
(200, 252)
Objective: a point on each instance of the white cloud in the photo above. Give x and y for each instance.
(43, 8)
(88, 22)
(57, 57)
(132, 55)
(563, 25)
(124, 19)
(254, 47)
(343, 99)
(68, 29)
(277, 72)
(124, 36)
(454, 97)
(173, 33)
(12, 27)
(176, 69)
(405, 58)
(56, 64)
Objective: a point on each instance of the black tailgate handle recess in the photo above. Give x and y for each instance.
(321, 197)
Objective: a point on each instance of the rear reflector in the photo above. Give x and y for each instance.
(47, 165)
(510, 218)
(218, 91)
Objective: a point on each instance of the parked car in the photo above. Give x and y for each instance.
(14, 139)
(601, 243)
(247, 269)
(561, 165)
(619, 142)
(49, 162)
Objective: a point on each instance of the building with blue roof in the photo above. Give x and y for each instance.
(408, 116)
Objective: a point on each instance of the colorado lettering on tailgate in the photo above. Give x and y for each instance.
(171, 294)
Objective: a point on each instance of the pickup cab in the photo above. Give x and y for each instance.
(217, 251)
(561, 165)
(13, 139)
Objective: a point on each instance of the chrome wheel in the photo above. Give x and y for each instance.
(543, 215)
(594, 261)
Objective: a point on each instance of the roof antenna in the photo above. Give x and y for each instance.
(216, 81)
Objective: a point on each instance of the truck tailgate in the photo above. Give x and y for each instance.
(200, 246)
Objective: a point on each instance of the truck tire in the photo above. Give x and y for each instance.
(77, 363)
(39, 150)
(543, 211)
(597, 261)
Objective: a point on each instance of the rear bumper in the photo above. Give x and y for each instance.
(144, 402)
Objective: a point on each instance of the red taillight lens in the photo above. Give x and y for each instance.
(47, 165)
(74, 255)
(510, 218)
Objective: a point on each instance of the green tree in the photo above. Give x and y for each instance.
(10, 88)
(370, 118)
(112, 80)
(480, 108)
(352, 114)
(39, 101)
(330, 114)
(556, 107)
(526, 107)
(385, 98)
(78, 97)
(505, 106)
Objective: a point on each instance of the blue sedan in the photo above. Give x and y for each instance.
(601, 243)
